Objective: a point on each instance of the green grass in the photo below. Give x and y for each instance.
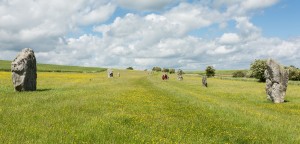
(6, 66)
(218, 72)
(141, 108)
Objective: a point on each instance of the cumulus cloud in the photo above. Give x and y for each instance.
(146, 5)
(95, 15)
(229, 38)
(247, 30)
(141, 40)
(192, 16)
(241, 8)
(256, 4)
(40, 23)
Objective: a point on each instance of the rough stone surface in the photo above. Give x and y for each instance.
(276, 81)
(110, 73)
(179, 75)
(204, 81)
(23, 70)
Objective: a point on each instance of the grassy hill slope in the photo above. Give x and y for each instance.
(6, 66)
(141, 108)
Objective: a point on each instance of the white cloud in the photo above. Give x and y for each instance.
(34, 23)
(219, 3)
(247, 30)
(257, 4)
(229, 38)
(191, 16)
(144, 4)
(97, 15)
(141, 40)
(245, 4)
(186, 52)
(220, 50)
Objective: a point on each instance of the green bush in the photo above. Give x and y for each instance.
(165, 70)
(249, 74)
(210, 71)
(180, 72)
(239, 74)
(294, 73)
(129, 68)
(171, 71)
(157, 69)
(258, 68)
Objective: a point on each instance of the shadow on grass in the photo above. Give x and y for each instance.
(270, 102)
(42, 90)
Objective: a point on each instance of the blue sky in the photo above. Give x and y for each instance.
(281, 20)
(186, 34)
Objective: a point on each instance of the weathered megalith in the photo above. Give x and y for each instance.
(110, 73)
(23, 70)
(179, 75)
(276, 81)
(204, 81)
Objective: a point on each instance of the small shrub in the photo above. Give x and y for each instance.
(129, 68)
(210, 71)
(171, 71)
(258, 68)
(165, 70)
(180, 72)
(294, 73)
(239, 74)
(157, 69)
(249, 74)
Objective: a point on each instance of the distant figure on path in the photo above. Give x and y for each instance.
(165, 77)
(119, 74)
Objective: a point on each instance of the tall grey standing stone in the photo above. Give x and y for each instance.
(204, 81)
(276, 81)
(23, 70)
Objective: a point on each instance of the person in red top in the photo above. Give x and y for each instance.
(164, 77)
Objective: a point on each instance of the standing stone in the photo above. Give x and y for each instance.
(276, 81)
(110, 73)
(179, 75)
(204, 81)
(23, 70)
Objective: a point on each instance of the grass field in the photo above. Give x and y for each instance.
(226, 73)
(6, 66)
(141, 108)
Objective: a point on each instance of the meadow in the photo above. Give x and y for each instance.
(141, 108)
(6, 66)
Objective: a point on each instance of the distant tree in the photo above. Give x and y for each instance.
(239, 73)
(165, 70)
(180, 72)
(129, 68)
(294, 73)
(210, 71)
(292, 66)
(258, 68)
(171, 71)
(157, 69)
